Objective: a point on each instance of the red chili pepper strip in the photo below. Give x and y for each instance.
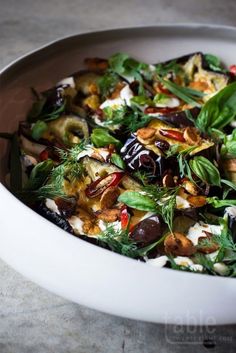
(100, 185)
(173, 134)
(232, 70)
(44, 155)
(153, 110)
(124, 218)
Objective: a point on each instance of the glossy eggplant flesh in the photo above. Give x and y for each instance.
(138, 158)
(180, 119)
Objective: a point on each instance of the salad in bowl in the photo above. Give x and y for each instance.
(137, 158)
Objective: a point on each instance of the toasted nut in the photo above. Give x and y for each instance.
(146, 133)
(197, 201)
(116, 92)
(199, 85)
(109, 197)
(206, 245)
(97, 156)
(168, 181)
(92, 101)
(91, 228)
(191, 136)
(182, 193)
(178, 245)
(109, 215)
(230, 165)
(190, 187)
(93, 88)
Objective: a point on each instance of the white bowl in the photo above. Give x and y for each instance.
(71, 267)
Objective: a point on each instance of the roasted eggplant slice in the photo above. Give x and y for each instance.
(139, 158)
(181, 119)
(69, 129)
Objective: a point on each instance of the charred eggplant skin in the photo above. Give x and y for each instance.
(205, 65)
(180, 119)
(137, 157)
(54, 218)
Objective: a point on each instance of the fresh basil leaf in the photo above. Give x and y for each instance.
(39, 174)
(229, 187)
(38, 129)
(205, 170)
(216, 203)
(138, 201)
(117, 160)
(214, 63)
(100, 138)
(142, 100)
(219, 110)
(116, 62)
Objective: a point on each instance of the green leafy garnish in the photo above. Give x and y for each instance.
(163, 69)
(117, 160)
(188, 95)
(214, 63)
(40, 111)
(101, 137)
(142, 100)
(219, 110)
(124, 65)
(107, 83)
(155, 199)
(119, 241)
(205, 170)
(216, 203)
(39, 128)
(39, 174)
(228, 149)
(131, 118)
(70, 169)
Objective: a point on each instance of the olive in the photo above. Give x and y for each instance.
(163, 145)
(147, 231)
